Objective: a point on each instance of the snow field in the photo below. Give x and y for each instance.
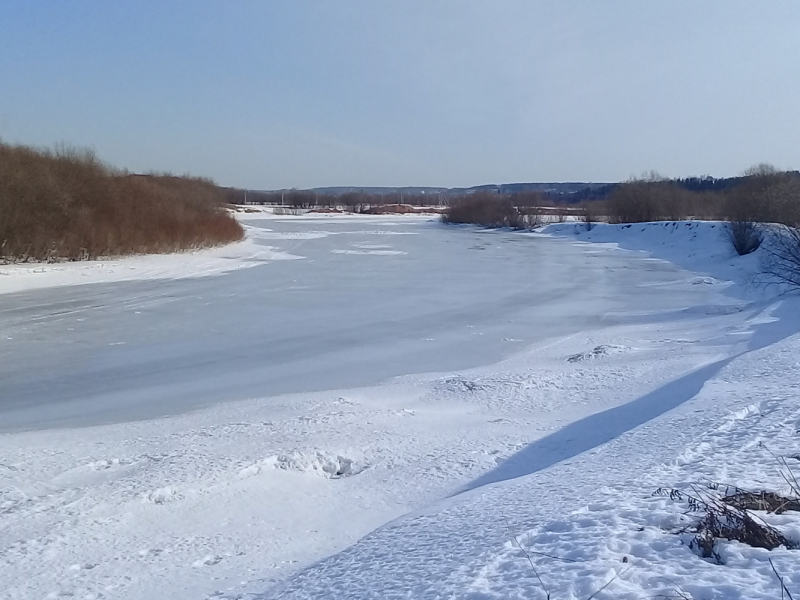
(203, 503)
(591, 526)
(627, 522)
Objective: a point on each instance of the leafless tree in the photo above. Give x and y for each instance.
(781, 261)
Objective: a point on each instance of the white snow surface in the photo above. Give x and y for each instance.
(529, 476)
(18, 277)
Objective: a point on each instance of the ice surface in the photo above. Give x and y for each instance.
(104, 353)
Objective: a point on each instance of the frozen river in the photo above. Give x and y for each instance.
(292, 434)
(366, 300)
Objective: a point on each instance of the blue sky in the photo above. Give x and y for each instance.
(452, 92)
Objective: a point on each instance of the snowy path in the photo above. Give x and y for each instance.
(234, 499)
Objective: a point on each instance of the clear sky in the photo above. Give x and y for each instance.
(297, 93)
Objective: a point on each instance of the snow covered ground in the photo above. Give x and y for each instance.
(250, 252)
(620, 373)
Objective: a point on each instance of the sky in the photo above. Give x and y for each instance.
(281, 94)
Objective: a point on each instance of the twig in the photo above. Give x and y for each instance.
(528, 556)
(783, 586)
(553, 556)
(609, 582)
(794, 484)
(678, 589)
(790, 479)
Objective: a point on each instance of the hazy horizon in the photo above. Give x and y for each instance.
(447, 94)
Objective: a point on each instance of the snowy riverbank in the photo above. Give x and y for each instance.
(591, 525)
(20, 277)
(253, 251)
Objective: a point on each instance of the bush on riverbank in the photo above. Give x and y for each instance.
(761, 195)
(483, 209)
(66, 204)
(490, 211)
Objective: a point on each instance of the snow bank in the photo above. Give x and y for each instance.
(254, 250)
(593, 526)
(699, 246)
(197, 263)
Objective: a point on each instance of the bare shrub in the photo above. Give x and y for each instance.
(484, 209)
(530, 217)
(747, 202)
(591, 212)
(529, 200)
(765, 195)
(727, 517)
(765, 501)
(641, 200)
(353, 201)
(287, 211)
(781, 259)
(654, 198)
(631, 202)
(745, 236)
(781, 199)
(66, 204)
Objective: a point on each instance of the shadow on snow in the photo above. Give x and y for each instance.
(597, 429)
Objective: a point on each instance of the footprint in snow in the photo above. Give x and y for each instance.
(207, 561)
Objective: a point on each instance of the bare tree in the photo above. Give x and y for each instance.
(781, 262)
(760, 170)
(765, 196)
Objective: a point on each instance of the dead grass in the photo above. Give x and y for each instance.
(768, 502)
(65, 204)
(728, 516)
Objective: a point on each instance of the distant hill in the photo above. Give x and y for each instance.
(556, 188)
(558, 191)
(569, 191)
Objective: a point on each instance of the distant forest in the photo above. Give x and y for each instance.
(762, 195)
(546, 194)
